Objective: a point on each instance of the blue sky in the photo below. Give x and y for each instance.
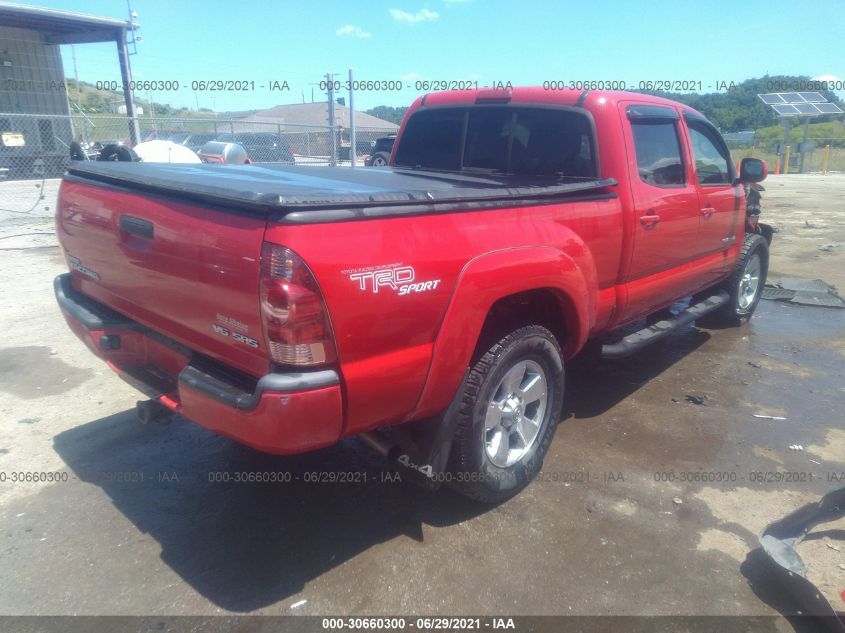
(525, 43)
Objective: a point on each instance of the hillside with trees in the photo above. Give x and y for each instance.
(388, 113)
(739, 108)
(92, 100)
(732, 110)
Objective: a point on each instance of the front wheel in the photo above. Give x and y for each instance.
(510, 407)
(745, 285)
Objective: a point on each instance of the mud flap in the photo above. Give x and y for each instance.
(420, 450)
(778, 542)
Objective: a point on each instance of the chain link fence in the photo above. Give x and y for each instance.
(35, 148)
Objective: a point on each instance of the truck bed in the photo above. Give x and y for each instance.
(307, 194)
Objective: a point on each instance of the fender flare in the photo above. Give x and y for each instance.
(493, 276)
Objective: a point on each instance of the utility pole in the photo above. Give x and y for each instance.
(76, 76)
(351, 121)
(126, 77)
(333, 155)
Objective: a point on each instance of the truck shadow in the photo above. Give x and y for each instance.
(595, 385)
(245, 546)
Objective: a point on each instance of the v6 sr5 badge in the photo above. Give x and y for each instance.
(397, 278)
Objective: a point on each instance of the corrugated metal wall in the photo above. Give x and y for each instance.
(31, 74)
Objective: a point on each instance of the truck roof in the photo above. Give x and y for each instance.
(537, 94)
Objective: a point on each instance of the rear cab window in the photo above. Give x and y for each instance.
(508, 140)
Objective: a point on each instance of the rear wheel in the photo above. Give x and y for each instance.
(508, 413)
(746, 284)
(379, 160)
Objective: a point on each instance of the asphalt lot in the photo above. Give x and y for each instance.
(609, 528)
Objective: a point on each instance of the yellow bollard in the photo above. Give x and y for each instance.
(825, 159)
(786, 159)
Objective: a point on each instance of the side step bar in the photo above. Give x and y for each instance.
(636, 341)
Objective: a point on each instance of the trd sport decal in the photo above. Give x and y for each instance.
(401, 279)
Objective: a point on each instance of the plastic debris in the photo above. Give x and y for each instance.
(695, 399)
(677, 501)
(768, 417)
(813, 292)
(778, 542)
(296, 605)
(796, 447)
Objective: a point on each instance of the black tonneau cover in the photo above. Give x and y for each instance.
(309, 194)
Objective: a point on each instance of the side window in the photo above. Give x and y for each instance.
(712, 162)
(658, 152)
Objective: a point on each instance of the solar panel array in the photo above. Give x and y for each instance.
(799, 103)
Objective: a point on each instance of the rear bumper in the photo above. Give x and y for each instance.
(281, 413)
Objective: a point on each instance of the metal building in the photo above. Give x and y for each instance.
(35, 127)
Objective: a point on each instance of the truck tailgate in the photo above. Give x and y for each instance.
(187, 271)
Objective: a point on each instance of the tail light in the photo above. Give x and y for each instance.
(296, 323)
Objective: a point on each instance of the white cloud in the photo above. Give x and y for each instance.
(410, 76)
(423, 15)
(353, 31)
(457, 1)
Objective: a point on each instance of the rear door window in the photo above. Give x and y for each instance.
(658, 148)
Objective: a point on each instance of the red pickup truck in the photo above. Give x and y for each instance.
(428, 306)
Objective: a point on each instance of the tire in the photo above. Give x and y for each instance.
(497, 407)
(746, 283)
(380, 159)
(115, 152)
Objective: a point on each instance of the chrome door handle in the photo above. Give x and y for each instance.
(649, 221)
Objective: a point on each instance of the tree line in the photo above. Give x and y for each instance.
(733, 110)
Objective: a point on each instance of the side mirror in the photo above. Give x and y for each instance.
(752, 170)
